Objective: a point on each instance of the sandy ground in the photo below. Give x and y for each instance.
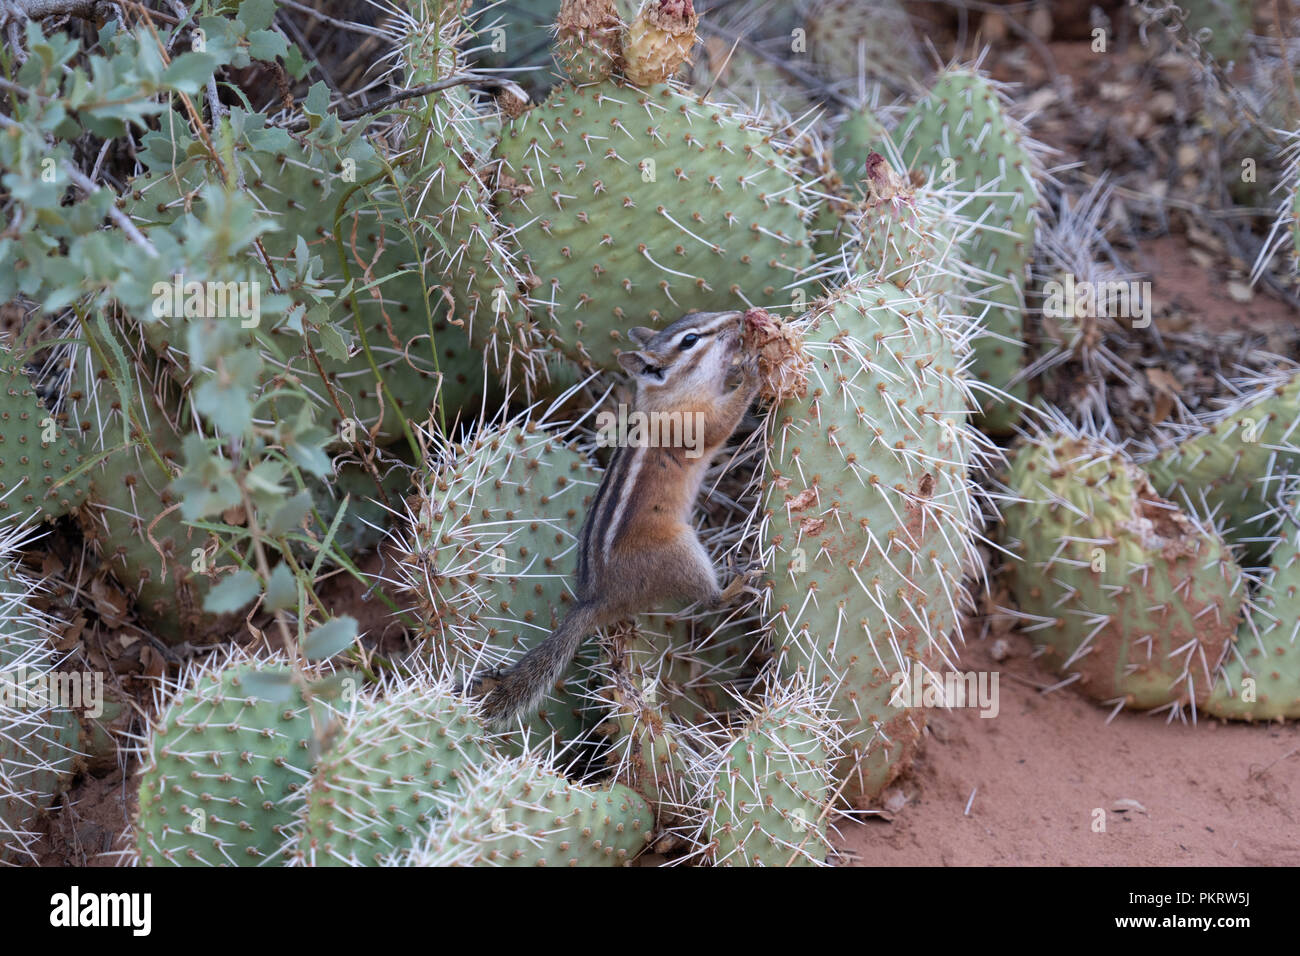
(1215, 794)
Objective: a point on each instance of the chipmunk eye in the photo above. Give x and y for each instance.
(688, 341)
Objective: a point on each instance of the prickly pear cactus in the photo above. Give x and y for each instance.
(767, 791)
(518, 811)
(400, 337)
(1130, 596)
(451, 208)
(491, 544)
(38, 459)
(631, 206)
(1232, 465)
(872, 38)
(39, 741)
(378, 785)
(221, 764)
(961, 132)
(132, 518)
(907, 236)
(1261, 679)
(648, 750)
(869, 516)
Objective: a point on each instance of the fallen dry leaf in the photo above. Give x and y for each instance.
(110, 603)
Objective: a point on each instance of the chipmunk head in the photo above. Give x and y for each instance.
(691, 356)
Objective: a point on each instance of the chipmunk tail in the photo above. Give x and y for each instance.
(520, 689)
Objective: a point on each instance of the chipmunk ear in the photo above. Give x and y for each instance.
(637, 363)
(641, 335)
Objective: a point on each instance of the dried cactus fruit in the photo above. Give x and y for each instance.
(658, 41)
(588, 39)
(782, 365)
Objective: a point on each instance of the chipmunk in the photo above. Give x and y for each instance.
(638, 547)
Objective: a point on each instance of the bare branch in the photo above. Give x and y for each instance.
(399, 95)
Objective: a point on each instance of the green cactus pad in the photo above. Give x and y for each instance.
(519, 812)
(1267, 651)
(767, 791)
(648, 750)
(1231, 467)
(38, 741)
(492, 543)
(298, 184)
(37, 457)
(222, 761)
(1223, 24)
(377, 787)
(872, 38)
(631, 207)
(1131, 597)
(859, 134)
(961, 133)
(450, 203)
(132, 519)
(869, 516)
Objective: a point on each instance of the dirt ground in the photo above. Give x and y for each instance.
(1023, 788)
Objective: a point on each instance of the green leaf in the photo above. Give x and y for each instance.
(189, 72)
(336, 345)
(207, 486)
(281, 589)
(232, 593)
(266, 45)
(318, 99)
(295, 64)
(330, 638)
(257, 14)
(290, 514)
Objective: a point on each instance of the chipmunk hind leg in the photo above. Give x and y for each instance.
(687, 572)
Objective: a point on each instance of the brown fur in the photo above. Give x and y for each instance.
(654, 554)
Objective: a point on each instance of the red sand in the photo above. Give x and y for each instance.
(1216, 794)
